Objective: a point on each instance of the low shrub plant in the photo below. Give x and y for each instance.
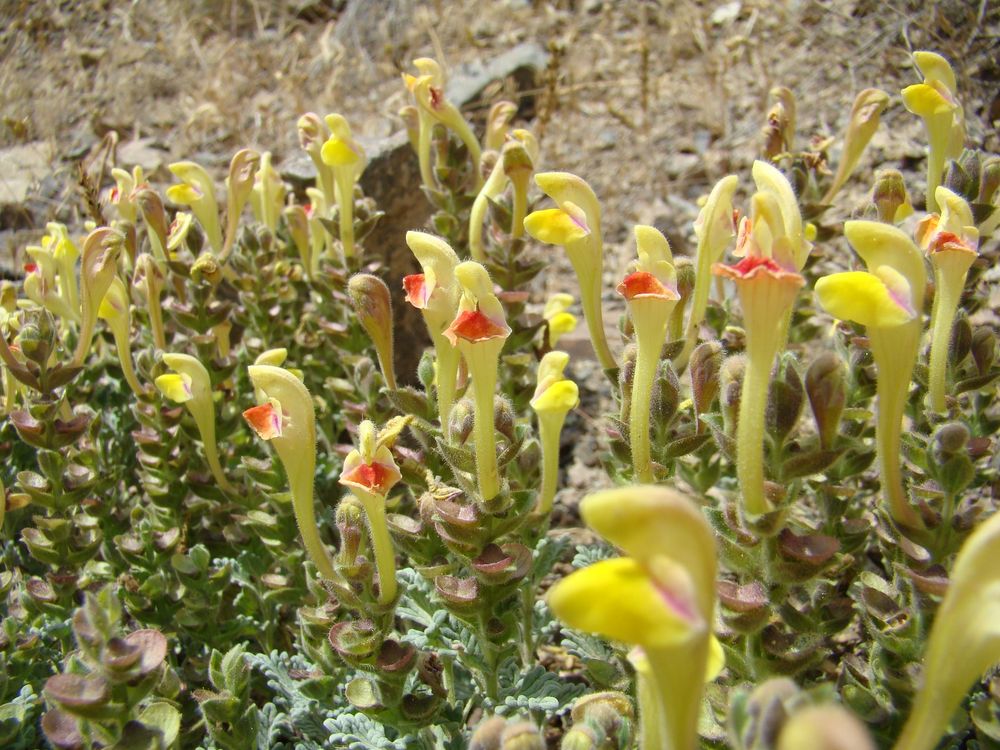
(230, 523)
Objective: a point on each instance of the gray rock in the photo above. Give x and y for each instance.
(21, 167)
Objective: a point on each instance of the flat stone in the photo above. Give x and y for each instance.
(22, 167)
(143, 152)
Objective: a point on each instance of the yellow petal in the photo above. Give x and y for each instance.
(560, 396)
(564, 187)
(618, 600)
(557, 303)
(863, 298)
(652, 247)
(555, 226)
(882, 244)
(935, 68)
(183, 194)
(275, 357)
(716, 659)
(338, 153)
(648, 521)
(926, 100)
(115, 302)
(769, 179)
(559, 325)
(175, 386)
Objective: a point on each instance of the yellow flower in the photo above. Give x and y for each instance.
(287, 419)
(935, 101)
(479, 332)
(347, 159)
(651, 294)
(98, 267)
(370, 472)
(115, 308)
(576, 225)
(661, 597)
(191, 385)
(889, 301)
(435, 293)
(559, 320)
(864, 121)
(197, 191)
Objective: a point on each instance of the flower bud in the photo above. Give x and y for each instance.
(350, 519)
(890, 197)
(487, 734)
(961, 340)
(826, 387)
(989, 180)
(373, 305)
(828, 727)
(503, 417)
(207, 268)
(583, 737)
(950, 439)
(705, 363)
(731, 387)
(521, 735)
(461, 420)
(984, 346)
(766, 712)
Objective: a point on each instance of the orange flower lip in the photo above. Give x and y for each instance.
(753, 266)
(415, 286)
(30, 267)
(265, 420)
(644, 284)
(473, 325)
(374, 477)
(943, 241)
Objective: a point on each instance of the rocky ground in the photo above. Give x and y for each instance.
(651, 102)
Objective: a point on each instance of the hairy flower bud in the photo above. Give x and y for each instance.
(487, 734)
(731, 387)
(826, 387)
(705, 363)
(521, 735)
(890, 197)
(828, 727)
(372, 302)
(350, 519)
(984, 349)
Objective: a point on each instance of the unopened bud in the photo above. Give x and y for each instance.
(668, 393)
(312, 132)
(497, 123)
(503, 417)
(826, 387)
(373, 304)
(705, 363)
(785, 399)
(961, 176)
(207, 268)
(461, 420)
(487, 734)
(989, 180)
(298, 229)
(961, 340)
(828, 727)
(950, 439)
(151, 208)
(767, 711)
(33, 342)
(350, 519)
(521, 735)
(890, 197)
(984, 349)
(583, 737)
(731, 390)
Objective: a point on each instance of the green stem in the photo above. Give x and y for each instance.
(125, 359)
(679, 677)
(938, 133)
(482, 358)
(590, 300)
(382, 549)
(750, 429)
(895, 352)
(345, 202)
(448, 359)
(424, 150)
(946, 297)
(651, 718)
(646, 363)
(549, 431)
